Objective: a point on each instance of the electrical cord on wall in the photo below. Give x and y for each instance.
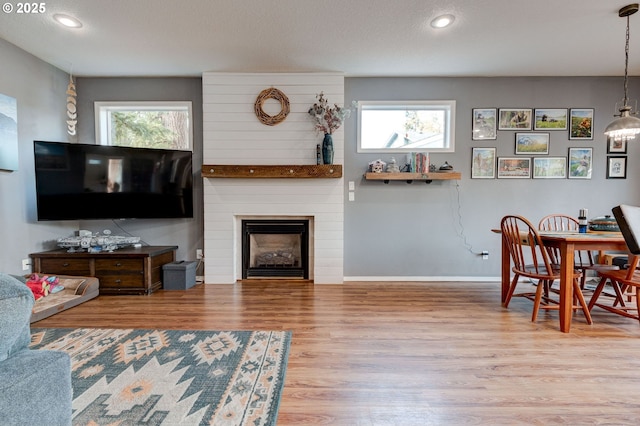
(144, 243)
(460, 231)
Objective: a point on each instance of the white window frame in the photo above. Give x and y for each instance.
(448, 106)
(103, 109)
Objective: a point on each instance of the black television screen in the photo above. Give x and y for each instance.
(82, 181)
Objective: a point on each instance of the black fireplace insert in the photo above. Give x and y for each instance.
(275, 249)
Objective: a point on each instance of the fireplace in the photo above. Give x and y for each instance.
(275, 249)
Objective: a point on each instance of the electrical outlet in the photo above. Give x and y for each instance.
(485, 254)
(199, 254)
(26, 264)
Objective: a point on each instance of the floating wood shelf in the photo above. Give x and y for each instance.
(410, 177)
(325, 171)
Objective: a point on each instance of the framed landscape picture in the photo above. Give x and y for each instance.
(550, 119)
(617, 147)
(580, 163)
(515, 119)
(581, 123)
(616, 167)
(484, 124)
(514, 168)
(532, 143)
(550, 167)
(483, 163)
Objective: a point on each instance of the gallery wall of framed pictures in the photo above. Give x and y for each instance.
(532, 129)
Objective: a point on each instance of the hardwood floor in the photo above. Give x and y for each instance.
(409, 353)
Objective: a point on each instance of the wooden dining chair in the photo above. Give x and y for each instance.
(531, 259)
(583, 259)
(625, 282)
(626, 287)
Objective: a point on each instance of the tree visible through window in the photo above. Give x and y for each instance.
(165, 125)
(406, 126)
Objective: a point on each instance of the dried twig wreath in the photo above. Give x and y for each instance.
(272, 93)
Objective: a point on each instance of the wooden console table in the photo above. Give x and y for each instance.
(123, 271)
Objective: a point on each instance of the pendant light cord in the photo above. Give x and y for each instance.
(626, 62)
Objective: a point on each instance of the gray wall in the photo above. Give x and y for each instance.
(39, 89)
(436, 230)
(187, 234)
(394, 230)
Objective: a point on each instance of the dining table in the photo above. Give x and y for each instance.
(567, 242)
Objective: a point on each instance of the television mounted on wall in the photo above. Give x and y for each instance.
(85, 181)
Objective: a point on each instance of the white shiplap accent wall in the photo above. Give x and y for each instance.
(234, 135)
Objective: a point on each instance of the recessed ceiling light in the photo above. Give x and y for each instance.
(443, 21)
(67, 21)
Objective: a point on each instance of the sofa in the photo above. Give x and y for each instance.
(35, 385)
(76, 290)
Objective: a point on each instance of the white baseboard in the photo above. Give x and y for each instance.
(446, 278)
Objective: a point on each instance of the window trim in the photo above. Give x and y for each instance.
(102, 109)
(449, 107)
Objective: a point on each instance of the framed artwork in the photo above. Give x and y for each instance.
(550, 167)
(581, 123)
(616, 167)
(483, 163)
(515, 119)
(550, 119)
(580, 163)
(514, 168)
(532, 143)
(8, 133)
(484, 124)
(617, 147)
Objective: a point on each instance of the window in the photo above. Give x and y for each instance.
(406, 126)
(165, 125)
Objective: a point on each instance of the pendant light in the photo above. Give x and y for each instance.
(626, 126)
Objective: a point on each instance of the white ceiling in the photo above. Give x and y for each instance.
(356, 37)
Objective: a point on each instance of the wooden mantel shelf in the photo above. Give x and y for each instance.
(410, 177)
(325, 171)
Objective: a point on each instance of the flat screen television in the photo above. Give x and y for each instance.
(83, 181)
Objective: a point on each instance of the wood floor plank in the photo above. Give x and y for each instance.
(409, 353)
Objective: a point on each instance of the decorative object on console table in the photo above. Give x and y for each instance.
(327, 120)
(96, 243)
(124, 271)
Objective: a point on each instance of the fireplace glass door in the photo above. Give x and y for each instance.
(275, 249)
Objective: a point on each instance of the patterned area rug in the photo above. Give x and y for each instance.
(172, 377)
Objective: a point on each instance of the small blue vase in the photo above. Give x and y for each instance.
(327, 149)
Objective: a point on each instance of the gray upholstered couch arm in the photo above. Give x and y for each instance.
(35, 385)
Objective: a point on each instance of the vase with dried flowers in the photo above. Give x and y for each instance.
(327, 119)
